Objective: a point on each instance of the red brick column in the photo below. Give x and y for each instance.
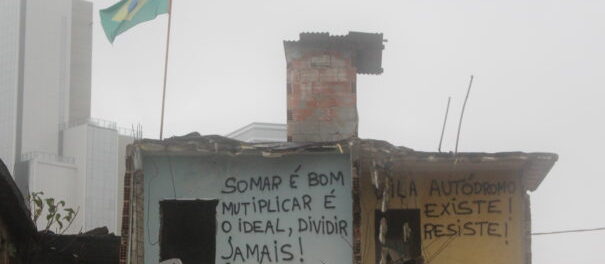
(322, 98)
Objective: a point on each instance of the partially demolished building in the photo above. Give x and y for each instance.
(21, 243)
(326, 196)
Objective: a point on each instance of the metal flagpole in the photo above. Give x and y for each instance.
(166, 68)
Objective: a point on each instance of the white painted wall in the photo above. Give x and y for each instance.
(101, 178)
(95, 150)
(205, 178)
(81, 60)
(9, 73)
(46, 70)
(74, 145)
(59, 181)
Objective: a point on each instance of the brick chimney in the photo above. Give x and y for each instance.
(322, 83)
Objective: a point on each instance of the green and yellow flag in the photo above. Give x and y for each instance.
(128, 13)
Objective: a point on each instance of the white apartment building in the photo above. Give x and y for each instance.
(258, 132)
(47, 136)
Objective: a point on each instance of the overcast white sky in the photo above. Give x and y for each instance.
(540, 84)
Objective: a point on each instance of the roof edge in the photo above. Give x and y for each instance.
(533, 166)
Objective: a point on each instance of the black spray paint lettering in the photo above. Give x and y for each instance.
(293, 178)
(300, 246)
(464, 207)
(323, 226)
(466, 229)
(261, 183)
(403, 191)
(454, 207)
(469, 187)
(263, 206)
(260, 226)
(226, 226)
(259, 252)
(272, 183)
(272, 209)
(322, 179)
(328, 200)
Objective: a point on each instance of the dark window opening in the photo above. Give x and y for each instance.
(402, 245)
(188, 230)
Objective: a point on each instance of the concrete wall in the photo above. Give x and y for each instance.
(9, 74)
(213, 177)
(95, 150)
(75, 145)
(322, 96)
(81, 60)
(59, 181)
(101, 178)
(57, 70)
(46, 65)
(459, 221)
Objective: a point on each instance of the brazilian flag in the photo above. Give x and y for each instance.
(128, 13)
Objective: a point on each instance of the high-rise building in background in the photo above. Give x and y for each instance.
(10, 63)
(47, 136)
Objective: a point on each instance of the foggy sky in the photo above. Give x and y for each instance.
(539, 68)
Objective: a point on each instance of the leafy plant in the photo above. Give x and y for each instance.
(56, 213)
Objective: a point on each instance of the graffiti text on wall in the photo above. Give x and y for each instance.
(456, 208)
(266, 218)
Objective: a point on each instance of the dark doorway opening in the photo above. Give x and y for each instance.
(402, 237)
(188, 230)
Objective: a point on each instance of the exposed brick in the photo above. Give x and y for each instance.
(321, 106)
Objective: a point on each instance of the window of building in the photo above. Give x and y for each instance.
(402, 240)
(188, 230)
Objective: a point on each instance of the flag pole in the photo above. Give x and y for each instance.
(166, 68)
